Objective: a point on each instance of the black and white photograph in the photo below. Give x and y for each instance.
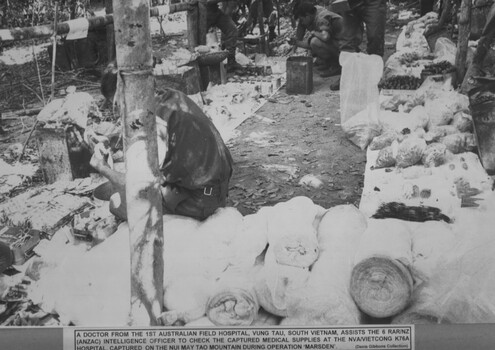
(247, 174)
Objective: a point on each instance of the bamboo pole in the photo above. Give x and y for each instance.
(463, 39)
(142, 179)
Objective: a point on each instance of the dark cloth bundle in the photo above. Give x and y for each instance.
(401, 211)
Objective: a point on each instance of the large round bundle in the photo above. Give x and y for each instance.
(195, 255)
(292, 249)
(432, 240)
(460, 286)
(278, 285)
(186, 298)
(233, 301)
(381, 280)
(90, 288)
(291, 231)
(325, 299)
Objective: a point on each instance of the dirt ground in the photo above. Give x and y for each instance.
(299, 138)
(284, 142)
(274, 149)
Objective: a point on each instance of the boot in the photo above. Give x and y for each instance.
(232, 64)
(335, 86)
(330, 72)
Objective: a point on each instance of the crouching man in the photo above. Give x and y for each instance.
(195, 162)
(326, 30)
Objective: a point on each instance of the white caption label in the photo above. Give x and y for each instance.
(300, 338)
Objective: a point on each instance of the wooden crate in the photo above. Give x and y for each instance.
(60, 160)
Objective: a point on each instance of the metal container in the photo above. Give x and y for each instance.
(299, 75)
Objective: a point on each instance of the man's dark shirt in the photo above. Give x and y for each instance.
(196, 156)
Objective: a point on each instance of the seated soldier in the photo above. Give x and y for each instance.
(195, 162)
(222, 19)
(326, 30)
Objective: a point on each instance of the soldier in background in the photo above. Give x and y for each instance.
(216, 17)
(326, 30)
(269, 14)
(476, 69)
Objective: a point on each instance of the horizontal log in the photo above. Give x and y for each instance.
(45, 31)
(20, 113)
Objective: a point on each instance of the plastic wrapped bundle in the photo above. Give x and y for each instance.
(292, 249)
(263, 319)
(460, 142)
(432, 240)
(363, 127)
(440, 111)
(410, 151)
(194, 247)
(266, 319)
(383, 140)
(250, 242)
(386, 157)
(463, 122)
(325, 299)
(186, 298)
(195, 254)
(400, 121)
(82, 297)
(291, 231)
(461, 288)
(420, 313)
(74, 108)
(381, 280)
(277, 286)
(435, 154)
(233, 301)
(435, 133)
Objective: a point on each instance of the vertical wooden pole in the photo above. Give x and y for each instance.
(110, 32)
(192, 27)
(54, 50)
(264, 42)
(463, 39)
(143, 196)
(203, 28)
